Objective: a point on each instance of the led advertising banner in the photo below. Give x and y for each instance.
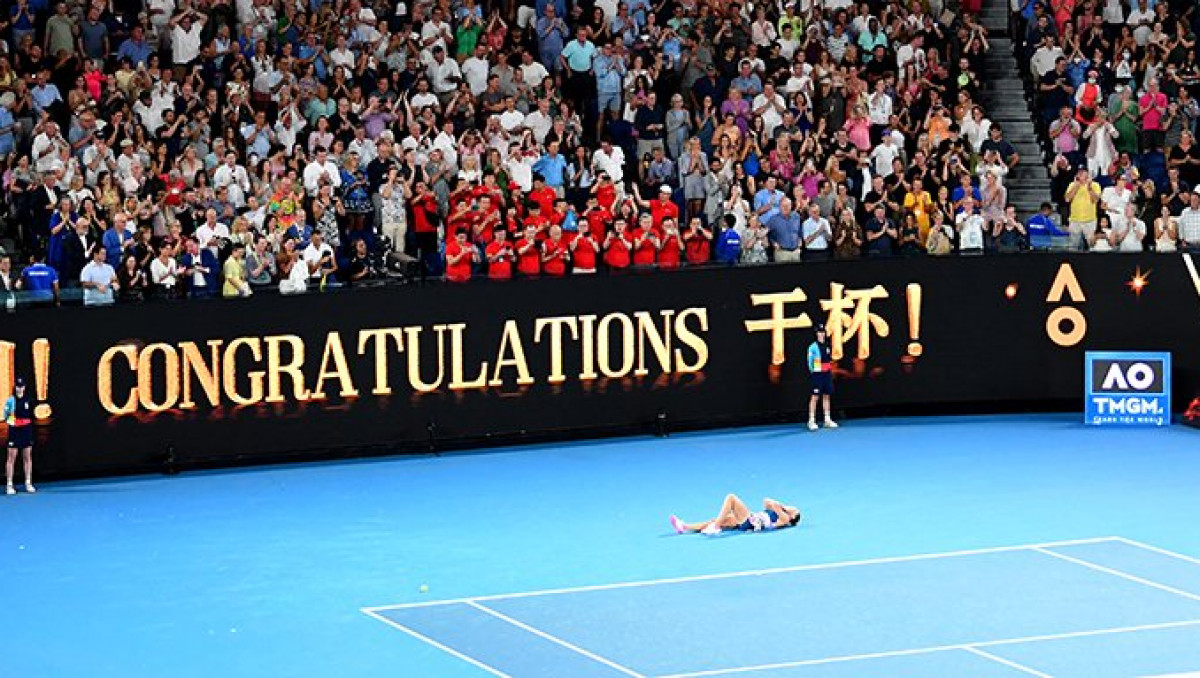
(428, 366)
(1127, 389)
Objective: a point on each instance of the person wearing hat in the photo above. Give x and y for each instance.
(820, 368)
(18, 415)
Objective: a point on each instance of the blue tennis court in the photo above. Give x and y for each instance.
(1039, 609)
(947, 546)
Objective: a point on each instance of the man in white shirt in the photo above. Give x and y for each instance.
(321, 169)
(366, 148)
(540, 121)
(98, 279)
(511, 119)
(288, 127)
(817, 234)
(884, 154)
(444, 75)
(185, 37)
(1129, 231)
(1045, 57)
(164, 270)
(610, 160)
(1189, 225)
(770, 107)
(970, 228)
(435, 33)
(532, 72)
(233, 178)
(48, 147)
(319, 259)
(210, 233)
(475, 70)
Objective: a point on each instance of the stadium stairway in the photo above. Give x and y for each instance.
(1006, 99)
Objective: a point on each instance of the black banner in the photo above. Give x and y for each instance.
(404, 368)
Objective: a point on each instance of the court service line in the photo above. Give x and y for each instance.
(1191, 267)
(444, 648)
(1119, 573)
(1163, 551)
(556, 640)
(941, 648)
(1011, 664)
(748, 573)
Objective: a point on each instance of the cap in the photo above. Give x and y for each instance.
(19, 383)
(664, 189)
(126, 142)
(820, 327)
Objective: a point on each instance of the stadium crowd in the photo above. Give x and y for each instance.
(211, 147)
(1116, 96)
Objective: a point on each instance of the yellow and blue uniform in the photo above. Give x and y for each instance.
(820, 368)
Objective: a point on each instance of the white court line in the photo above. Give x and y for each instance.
(443, 648)
(1119, 573)
(1165, 552)
(941, 648)
(1191, 267)
(554, 639)
(1011, 664)
(748, 573)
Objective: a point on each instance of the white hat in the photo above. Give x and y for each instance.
(664, 189)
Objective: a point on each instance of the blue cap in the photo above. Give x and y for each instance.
(20, 383)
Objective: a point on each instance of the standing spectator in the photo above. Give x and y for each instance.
(1083, 196)
(818, 235)
(99, 280)
(1189, 225)
(1152, 106)
(785, 233)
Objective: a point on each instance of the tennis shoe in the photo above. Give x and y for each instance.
(829, 423)
(10, 490)
(30, 488)
(812, 425)
(711, 529)
(678, 524)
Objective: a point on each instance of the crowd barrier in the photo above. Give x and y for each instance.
(426, 367)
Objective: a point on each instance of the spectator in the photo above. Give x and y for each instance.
(1189, 225)
(99, 280)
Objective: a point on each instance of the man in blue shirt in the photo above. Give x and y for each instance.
(783, 231)
(1045, 231)
(577, 58)
(135, 48)
(729, 242)
(767, 199)
(610, 77)
(820, 369)
(39, 280)
(553, 167)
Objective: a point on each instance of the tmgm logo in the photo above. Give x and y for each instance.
(1128, 389)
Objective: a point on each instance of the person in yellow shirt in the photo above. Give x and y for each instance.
(920, 203)
(1083, 195)
(234, 271)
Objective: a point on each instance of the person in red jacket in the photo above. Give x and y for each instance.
(460, 255)
(538, 220)
(605, 191)
(670, 248)
(500, 256)
(584, 249)
(487, 220)
(697, 242)
(425, 227)
(645, 242)
(661, 207)
(597, 217)
(617, 246)
(555, 253)
(542, 194)
(529, 252)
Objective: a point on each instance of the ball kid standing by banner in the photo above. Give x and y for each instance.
(820, 368)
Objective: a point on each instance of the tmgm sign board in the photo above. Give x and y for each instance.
(1127, 389)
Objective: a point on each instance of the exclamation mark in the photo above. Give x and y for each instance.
(41, 377)
(913, 294)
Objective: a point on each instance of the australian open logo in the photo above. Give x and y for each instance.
(1128, 389)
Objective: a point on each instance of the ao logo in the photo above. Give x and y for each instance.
(1137, 377)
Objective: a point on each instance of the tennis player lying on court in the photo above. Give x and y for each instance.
(736, 516)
